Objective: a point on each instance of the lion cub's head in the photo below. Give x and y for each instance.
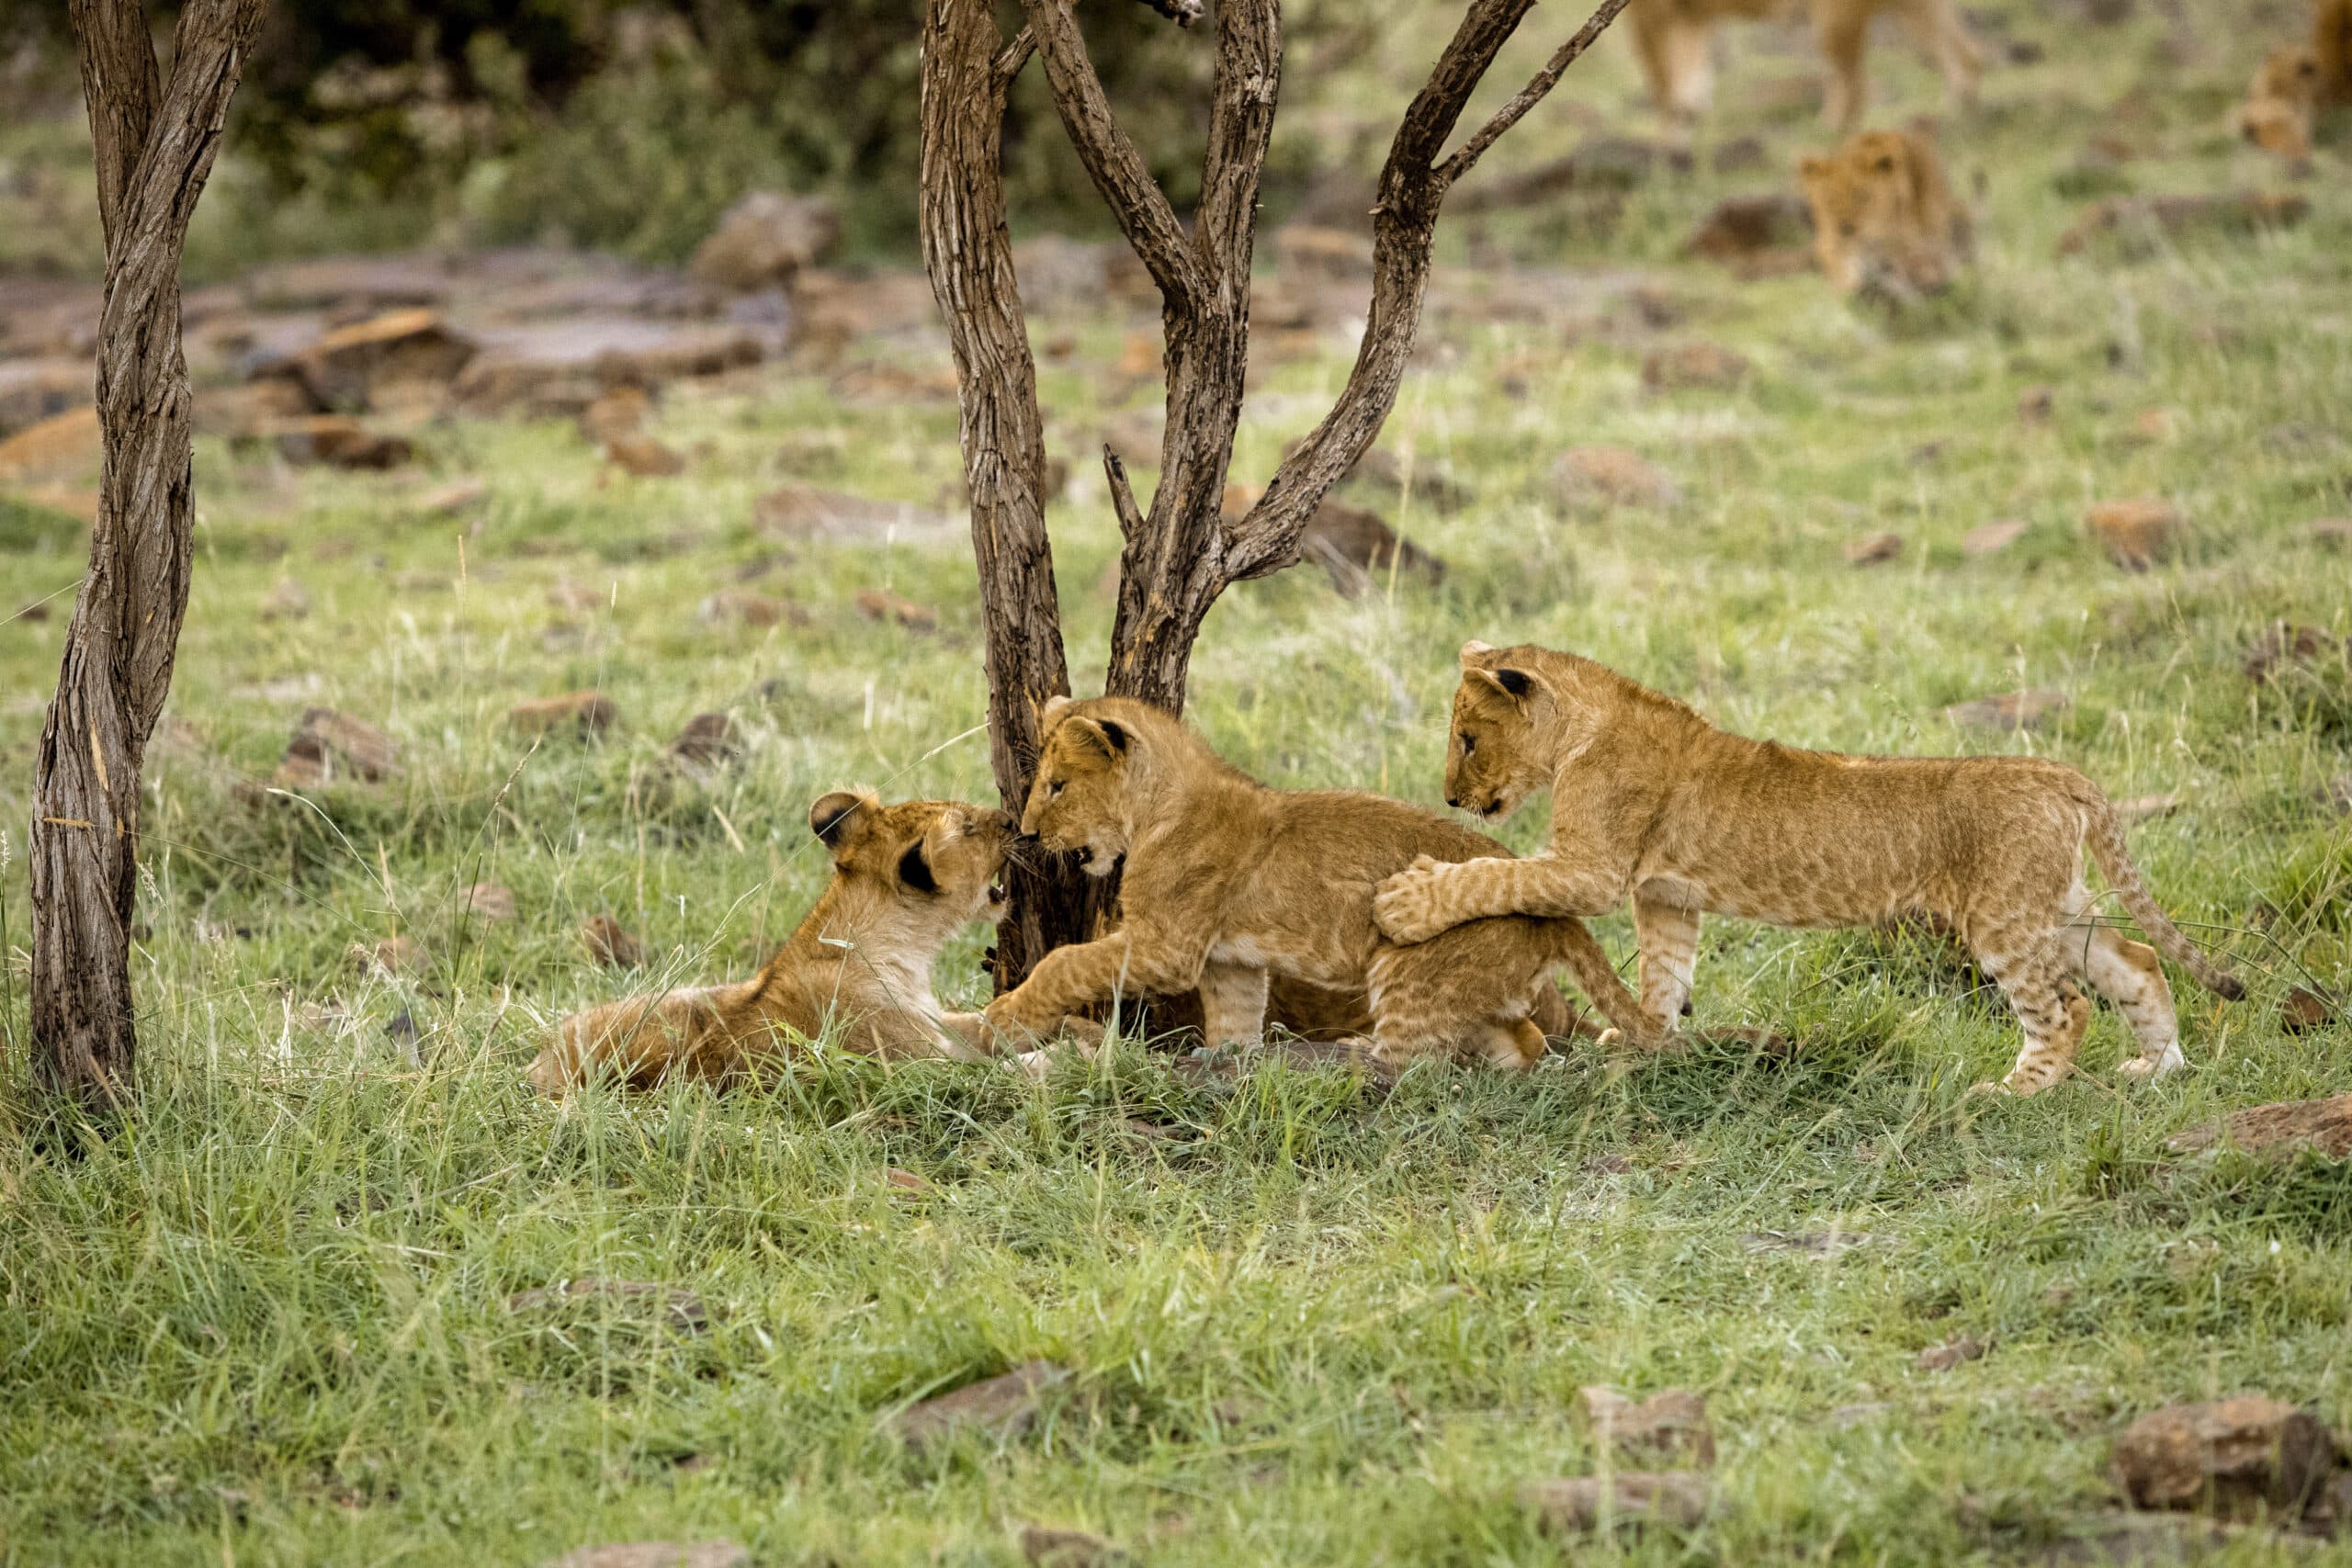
(935, 862)
(1883, 218)
(1076, 801)
(1496, 757)
(2281, 103)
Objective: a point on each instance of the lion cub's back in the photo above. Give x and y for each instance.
(1356, 833)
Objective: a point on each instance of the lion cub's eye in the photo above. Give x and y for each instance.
(1469, 743)
(1055, 788)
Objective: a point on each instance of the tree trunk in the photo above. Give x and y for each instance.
(154, 143)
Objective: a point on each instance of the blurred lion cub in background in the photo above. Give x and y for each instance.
(1672, 38)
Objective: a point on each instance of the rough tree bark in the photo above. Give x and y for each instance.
(154, 140)
(1177, 556)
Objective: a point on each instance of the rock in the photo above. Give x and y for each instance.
(2236, 1457)
(62, 447)
(655, 1554)
(339, 441)
(906, 1181)
(877, 605)
(610, 943)
(1676, 1498)
(803, 512)
(766, 240)
(2009, 711)
(1671, 1421)
(1612, 476)
(708, 740)
(449, 500)
(1357, 549)
(588, 713)
(1742, 230)
(2333, 531)
(2304, 1010)
(2036, 404)
(560, 368)
(888, 385)
(2283, 643)
(1943, 1358)
(1705, 366)
(1740, 155)
(1873, 549)
(394, 957)
(999, 1408)
(832, 311)
(1137, 434)
(617, 411)
(32, 390)
(2136, 533)
(2324, 1126)
(644, 456)
(328, 746)
(490, 901)
(755, 610)
(1334, 255)
(1051, 1546)
(287, 600)
(2135, 222)
(365, 284)
(1991, 538)
(250, 410)
(356, 368)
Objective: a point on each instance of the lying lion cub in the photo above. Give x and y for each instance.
(1884, 220)
(1649, 799)
(905, 877)
(1227, 881)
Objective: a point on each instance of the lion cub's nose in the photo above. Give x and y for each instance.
(1455, 802)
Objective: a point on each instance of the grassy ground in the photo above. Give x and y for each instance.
(266, 1320)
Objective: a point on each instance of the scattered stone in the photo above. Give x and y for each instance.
(804, 512)
(328, 746)
(2008, 711)
(2136, 533)
(755, 610)
(490, 901)
(1612, 476)
(1671, 1421)
(644, 456)
(588, 713)
(766, 240)
(2283, 642)
(339, 441)
(1807, 1243)
(1632, 1498)
(1695, 366)
(365, 284)
(62, 447)
(2304, 1010)
(1051, 1546)
(2333, 531)
(2324, 1126)
(560, 368)
(610, 943)
(1740, 155)
(1755, 235)
(287, 600)
(1943, 1358)
(2137, 222)
(999, 1408)
(616, 413)
(250, 410)
(32, 390)
(875, 605)
(1336, 255)
(456, 496)
(906, 1181)
(2036, 405)
(708, 740)
(2235, 1457)
(1357, 549)
(1874, 549)
(355, 368)
(655, 1554)
(392, 958)
(1991, 538)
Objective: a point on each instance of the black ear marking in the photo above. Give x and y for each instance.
(830, 818)
(915, 871)
(1515, 681)
(1115, 733)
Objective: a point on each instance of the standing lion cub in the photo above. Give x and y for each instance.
(1651, 801)
(1227, 882)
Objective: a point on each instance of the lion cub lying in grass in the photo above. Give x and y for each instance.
(1227, 881)
(905, 877)
(1650, 800)
(1884, 220)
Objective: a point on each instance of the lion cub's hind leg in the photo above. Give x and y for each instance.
(2033, 972)
(2128, 974)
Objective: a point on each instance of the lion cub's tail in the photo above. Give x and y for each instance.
(1575, 947)
(2105, 837)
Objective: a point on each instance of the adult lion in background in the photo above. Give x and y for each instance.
(905, 878)
(1884, 220)
(1672, 37)
(1227, 883)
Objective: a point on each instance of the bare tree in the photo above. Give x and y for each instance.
(155, 138)
(1181, 555)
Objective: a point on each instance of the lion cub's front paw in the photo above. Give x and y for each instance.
(1406, 907)
(1010, 1025)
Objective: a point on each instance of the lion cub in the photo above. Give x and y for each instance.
(1650, 800)
(1227, 881)
(1883, 217)
(905, 877)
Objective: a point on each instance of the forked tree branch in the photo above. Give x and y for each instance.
(1413, 184)
(1137, 202)
(1241, 127)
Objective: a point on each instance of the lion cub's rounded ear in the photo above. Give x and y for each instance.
(1106, 736)
(838, 818)
(1516, 685)
(1813, 170)
(1473, 649)
(1051, 712)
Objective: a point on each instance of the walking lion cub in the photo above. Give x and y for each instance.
(905, 878)
(1227, 881)
(1651, 801)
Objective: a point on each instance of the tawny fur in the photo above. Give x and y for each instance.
(1671, 37)
(2282, 103)
(905, 878)
(2332, 48)
(1652, 803)
(1883, 215)
(1227, 882)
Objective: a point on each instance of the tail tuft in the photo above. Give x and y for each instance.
(2229, 987)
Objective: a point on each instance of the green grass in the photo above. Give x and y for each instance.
(264, 1320)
